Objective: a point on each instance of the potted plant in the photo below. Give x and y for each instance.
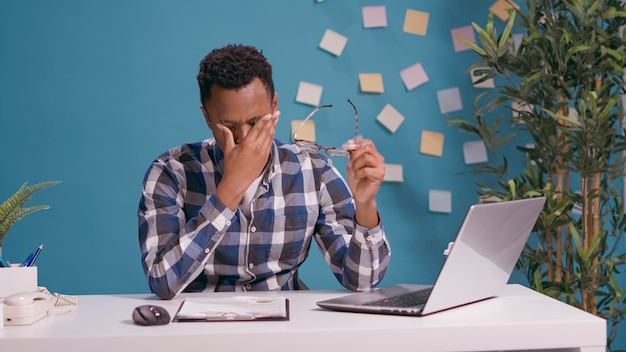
(13, 210)
(561, 83)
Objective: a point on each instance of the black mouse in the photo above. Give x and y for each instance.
(150, 315)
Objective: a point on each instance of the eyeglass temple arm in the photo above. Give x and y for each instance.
(356, 117)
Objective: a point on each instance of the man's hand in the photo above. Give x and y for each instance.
(366, 170)
(245, 161)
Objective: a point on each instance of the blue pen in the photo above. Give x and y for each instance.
(30, 256)
(32, 260)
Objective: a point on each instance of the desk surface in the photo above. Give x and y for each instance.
(520, 319)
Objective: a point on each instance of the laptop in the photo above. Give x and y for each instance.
(478, 265)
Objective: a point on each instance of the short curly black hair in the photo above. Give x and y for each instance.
(233, 67)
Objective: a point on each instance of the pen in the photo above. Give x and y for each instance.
(25, 263)
(37, 251)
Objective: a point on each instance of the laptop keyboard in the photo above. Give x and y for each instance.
(410, 299)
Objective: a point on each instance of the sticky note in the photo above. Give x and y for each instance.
(371, 82)
(475, 76)
(431, 143)
(517, 40)
(306, 132)
(474, 152)
(572, 114)
(309, 93)
(449, 100)
(413, 76)
(390, 118)
(466, 33)
(518, 107)
(501, 8)
(415, 22)
(393, 173)
(333, 42)
(374, 16)
(439, 201)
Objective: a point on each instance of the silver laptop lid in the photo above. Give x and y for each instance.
(489, 242)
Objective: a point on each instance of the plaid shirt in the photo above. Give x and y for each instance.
(191, 241)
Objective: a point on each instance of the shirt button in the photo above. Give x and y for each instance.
(227, 222)
(206, 251)
(253, 229)
(250, 265)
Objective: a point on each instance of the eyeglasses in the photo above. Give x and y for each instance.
(314, 147)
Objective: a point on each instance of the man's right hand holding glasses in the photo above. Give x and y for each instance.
(365, 168)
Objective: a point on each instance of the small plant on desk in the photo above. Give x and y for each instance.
(13, 210)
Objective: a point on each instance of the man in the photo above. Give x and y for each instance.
(238, 211)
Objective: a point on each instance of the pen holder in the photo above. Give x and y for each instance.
(16, 279)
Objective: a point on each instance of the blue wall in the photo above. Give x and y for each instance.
(92, 91)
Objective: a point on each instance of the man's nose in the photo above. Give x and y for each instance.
(240, 132)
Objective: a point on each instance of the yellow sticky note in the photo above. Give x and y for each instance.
(415, 22)
(501, 9)
(306, 132)
(432, 143)
(371, 82)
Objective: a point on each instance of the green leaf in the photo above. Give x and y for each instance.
(12, 211)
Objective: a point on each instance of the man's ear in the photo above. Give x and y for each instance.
(275, 102)
(206, 117)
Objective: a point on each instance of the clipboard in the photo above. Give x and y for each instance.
(236, 308)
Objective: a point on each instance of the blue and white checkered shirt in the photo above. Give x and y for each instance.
(191, 241)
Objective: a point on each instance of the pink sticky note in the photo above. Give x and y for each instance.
(413, 76)
(374, 16)
(466, 33)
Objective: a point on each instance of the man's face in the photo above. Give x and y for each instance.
(238, 110)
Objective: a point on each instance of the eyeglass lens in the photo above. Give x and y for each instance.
(314, 147)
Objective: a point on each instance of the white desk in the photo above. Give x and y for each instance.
(520, 319)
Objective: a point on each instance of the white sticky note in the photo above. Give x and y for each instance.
(374, 16)
(390, 118)
(517, 107)
(449, 100)
(572, 113)
(309, 93)
(439, 201)
(474, 152)
(393, 173)
(333, 42)
(476, 76)
(517, 40)
(413, 76)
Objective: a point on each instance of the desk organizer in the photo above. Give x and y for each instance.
(17, 279)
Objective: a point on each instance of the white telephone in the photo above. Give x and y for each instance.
(26, 307)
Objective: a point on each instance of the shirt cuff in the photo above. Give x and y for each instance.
(219, 212)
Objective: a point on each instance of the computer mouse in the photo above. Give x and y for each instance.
(150, 314)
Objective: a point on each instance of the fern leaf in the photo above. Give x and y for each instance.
(17, 215)
(12, 211)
